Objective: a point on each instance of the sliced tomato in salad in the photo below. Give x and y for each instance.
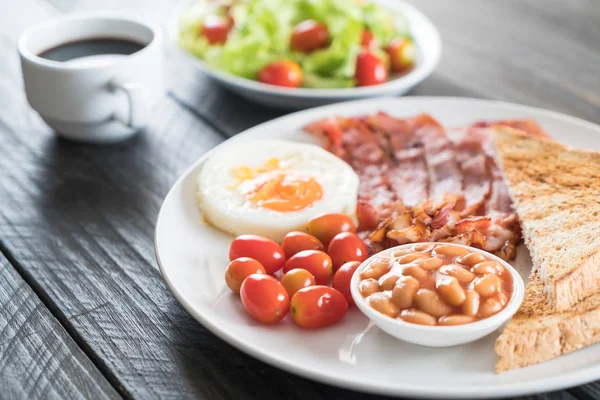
(281, 73)
(370, 69)
(309, 35)
(368, 40)
(402, 54)
(216, 28)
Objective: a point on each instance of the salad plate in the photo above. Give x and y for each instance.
(355, 354)
(422, 30)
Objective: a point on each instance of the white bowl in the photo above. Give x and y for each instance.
(439, 336)
(424, 32)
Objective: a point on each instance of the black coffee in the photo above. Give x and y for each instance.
(91, 47)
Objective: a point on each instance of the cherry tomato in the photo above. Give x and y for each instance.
(402, 54)
(318, 307)
(281, 73)
(346, 246)
(342, 277)
(263, 250)
(370, 69)
(309, 35)
(216, 28)
(295, 242)
(264, 298)
(297, 279)
(316, 262)
(239, 269)
(368, 40)
(325, 226)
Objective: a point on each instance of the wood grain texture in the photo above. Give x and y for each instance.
(79, 220)
(38, 359)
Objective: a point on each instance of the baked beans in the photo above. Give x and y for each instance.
(417, 317)
(404, 291)
(368, 286)
(382, 302)
(436, 284)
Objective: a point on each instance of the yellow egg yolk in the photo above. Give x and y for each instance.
(286, 192)
(280, 191)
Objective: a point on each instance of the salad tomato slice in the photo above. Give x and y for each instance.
(309, 35)
(216, 28)
(281, 73)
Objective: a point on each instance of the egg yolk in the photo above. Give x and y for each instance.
(244, 173)
(280, 191)
(286, 192)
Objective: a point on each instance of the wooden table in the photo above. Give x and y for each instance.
(83, 310)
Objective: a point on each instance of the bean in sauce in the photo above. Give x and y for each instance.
(436, 284)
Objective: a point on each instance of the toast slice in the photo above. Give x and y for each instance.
(537, 333)
(556, 194)
(553, 192)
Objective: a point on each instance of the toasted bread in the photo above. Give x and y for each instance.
(556, 194)
(555, 191)
(537, 333)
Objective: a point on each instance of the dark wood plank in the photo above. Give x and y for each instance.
(559, 395)
(38, 359)
(79, 219)
(587, 392)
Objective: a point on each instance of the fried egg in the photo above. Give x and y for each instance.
(272, 187)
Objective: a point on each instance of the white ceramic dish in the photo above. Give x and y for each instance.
(426, 37)
(439, 336)
(355, 354)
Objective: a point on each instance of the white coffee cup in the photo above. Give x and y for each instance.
(99, 99)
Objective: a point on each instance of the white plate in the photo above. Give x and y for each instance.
(426, 37)
(193, 257)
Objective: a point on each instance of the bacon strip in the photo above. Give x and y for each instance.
(473, 165)
(444, 175)
(525, 125)
(407, 176)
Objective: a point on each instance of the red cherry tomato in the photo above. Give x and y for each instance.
(346, 246)
(295, 242)
(216, 28)
(263, 250)
(325, 226)
(318, 307)
(342, 278)
(297, 279)
(316, 262)
(402, 54)
(281, 73)
(309, 35)
(264, 298)
(370, 69)
(368, 40)
(239, 269)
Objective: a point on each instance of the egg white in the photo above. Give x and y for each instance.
(225, 206)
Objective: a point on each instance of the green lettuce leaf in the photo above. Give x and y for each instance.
(319, 82)
(262, 30)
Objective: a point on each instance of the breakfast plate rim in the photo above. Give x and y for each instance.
(516, 388)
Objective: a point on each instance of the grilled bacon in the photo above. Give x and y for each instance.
(419, 183)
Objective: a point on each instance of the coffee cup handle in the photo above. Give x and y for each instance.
(137, 115)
